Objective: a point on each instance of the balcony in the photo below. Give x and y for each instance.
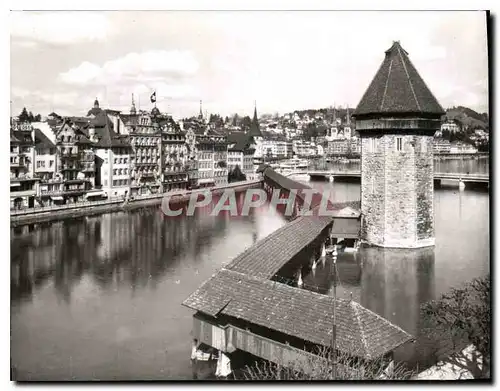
(88, 168)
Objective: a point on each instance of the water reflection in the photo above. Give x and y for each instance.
(131, 249)
(395, 283)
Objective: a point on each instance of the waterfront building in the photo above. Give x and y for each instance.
(304, 148)
(23, 183)
(276, 147)
(111, 160)
(70, 183)
(338, 147)
(210, 155)
(460, 147)
(440, 145)
(355, 145)
(174, 155)
(240, 152)
(45, 166)
(220, 158)
(396, 120)
(144, 133)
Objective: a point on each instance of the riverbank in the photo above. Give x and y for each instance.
(56, 213)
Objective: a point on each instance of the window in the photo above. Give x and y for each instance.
(399, 143)
(115, 171)
(105, 182)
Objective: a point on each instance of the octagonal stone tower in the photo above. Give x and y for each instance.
(396, 120)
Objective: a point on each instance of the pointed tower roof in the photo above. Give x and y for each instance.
(200, 116)
(397, 88)
(255, 127)
(133, 110)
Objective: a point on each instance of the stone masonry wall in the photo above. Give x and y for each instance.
(397, 190)
(372, 190)
(424, 166)
(400, 197)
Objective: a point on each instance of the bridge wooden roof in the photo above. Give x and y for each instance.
(269, 255)
(297, 312)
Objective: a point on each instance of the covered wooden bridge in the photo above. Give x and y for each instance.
(244, 307)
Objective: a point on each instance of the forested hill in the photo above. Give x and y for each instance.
(468, 117)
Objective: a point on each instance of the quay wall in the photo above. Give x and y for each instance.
(43, 215)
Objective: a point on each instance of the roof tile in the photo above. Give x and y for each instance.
(397, 88)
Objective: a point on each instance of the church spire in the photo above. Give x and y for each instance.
(132, 108)
(96, 103)
(254, 126)
(200, 116)
(348, 117)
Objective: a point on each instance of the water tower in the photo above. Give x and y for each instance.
(396, 120)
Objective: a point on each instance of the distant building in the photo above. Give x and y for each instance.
(304, 148)
(450, 126)
(459, 147)
(441, 146)
(338, 147)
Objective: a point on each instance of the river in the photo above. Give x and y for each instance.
(99, 297)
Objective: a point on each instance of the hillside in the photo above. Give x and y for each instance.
(468, 117)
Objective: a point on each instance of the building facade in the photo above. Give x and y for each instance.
(396, 119)
(240, 153)
(23, 182)
(174, 156)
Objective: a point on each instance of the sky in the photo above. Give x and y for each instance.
(283, 60)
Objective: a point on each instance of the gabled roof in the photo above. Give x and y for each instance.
(105, 134)
(42, 141)
(13, 138)
(297, 312)
(397, 88)
(242, 141)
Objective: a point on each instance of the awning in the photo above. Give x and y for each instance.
(96, 194)
(206, 180)
(25, 193)
(345, 228)
(57, 198)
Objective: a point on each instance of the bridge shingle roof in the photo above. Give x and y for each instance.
(297, 312)
(269, 255)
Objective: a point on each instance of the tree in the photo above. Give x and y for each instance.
(246, 122)
(24, 116)
(235, 120)
(236, 175)
(319, 367)
(459, 318)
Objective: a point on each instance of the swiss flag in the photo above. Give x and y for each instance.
(153, 97)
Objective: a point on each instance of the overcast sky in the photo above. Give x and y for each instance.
(62, 61)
